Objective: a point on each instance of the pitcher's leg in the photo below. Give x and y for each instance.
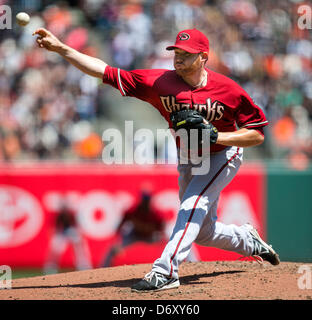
(189, 221)
(228, 237)
(200, 194)
(199, 197)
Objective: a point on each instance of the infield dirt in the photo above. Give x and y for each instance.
(243, 280)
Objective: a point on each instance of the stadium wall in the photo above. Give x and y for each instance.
(99, 194)
(276, 200)
(289, 212)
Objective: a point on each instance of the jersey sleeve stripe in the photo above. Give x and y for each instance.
(120, 84)
(256, 124)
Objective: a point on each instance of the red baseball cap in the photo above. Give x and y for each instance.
(192, 41)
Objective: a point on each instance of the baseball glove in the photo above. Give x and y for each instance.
(191, 119)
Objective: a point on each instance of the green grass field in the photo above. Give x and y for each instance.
(26, 273)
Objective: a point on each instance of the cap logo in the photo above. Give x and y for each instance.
(184, 36)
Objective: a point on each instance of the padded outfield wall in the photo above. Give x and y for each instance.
(277, 201)
(289, 212)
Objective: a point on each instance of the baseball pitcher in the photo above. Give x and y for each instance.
(191, 97)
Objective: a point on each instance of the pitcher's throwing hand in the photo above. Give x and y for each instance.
(47, 40)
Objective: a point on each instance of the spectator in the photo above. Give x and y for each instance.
(44, 100)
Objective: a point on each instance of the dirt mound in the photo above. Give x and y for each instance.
(242, 280)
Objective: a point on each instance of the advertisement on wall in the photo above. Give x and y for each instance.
(31, 197)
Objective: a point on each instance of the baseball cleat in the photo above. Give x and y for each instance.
(154, 281)
(262, 251)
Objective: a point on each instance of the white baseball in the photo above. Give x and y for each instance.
(22, 18)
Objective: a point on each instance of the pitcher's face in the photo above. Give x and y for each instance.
(185, 62)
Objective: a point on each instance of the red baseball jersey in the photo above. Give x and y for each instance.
(222, 101)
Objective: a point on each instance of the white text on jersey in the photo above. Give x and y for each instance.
(211, 110)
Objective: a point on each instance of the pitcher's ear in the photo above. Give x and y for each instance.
(204, 56)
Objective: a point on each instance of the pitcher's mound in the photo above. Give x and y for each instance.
(199, 280)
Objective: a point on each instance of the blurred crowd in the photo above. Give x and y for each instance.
(49, 110)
